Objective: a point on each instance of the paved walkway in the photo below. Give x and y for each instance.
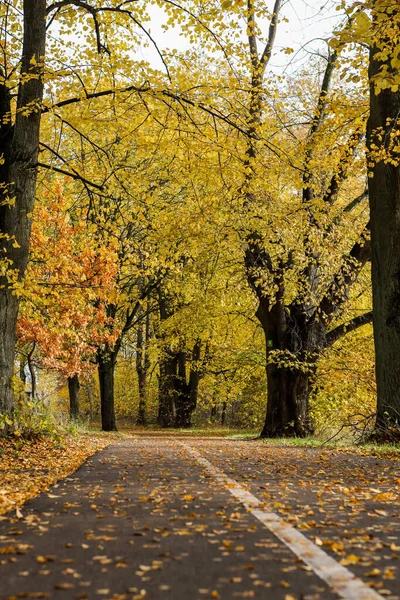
(191, 519)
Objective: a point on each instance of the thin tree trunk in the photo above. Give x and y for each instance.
(223, 413)
(142, 374)
(213, 413)
(32, 373)
(22, 374)
(106, 368)
(168, 368)
(18, 173)
(89, 397)
(384, 198)
(73, 390)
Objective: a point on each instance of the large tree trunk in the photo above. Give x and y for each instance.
(166, 390)
(168, 368)
(20, 144)
(288, 403)
(187, 392)
(182, 394)
(73, 390)
(142, 367)
(288, 386)
(384, 197)
(141, 373)
(106, 368)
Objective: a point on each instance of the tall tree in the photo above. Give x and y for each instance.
(384, 196)
(19, 134)
(143, 337)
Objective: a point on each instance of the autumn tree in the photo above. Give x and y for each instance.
(19, 133)
(301, 176)
(24, 27)
(70, 280)
(383, 35)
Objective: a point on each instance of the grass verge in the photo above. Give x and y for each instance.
(378, 450)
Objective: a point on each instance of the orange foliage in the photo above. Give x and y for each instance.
(69, 282)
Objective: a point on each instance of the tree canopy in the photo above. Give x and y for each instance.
(195, 227)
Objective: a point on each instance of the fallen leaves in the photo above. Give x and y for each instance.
(29, 467)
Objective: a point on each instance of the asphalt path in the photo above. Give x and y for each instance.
(163, 517)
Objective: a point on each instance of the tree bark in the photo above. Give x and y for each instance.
(18, 173)
(168, 367)
(187, 391)
(223, 413)
(106, 368)
(32, 373)
(22, 374)
(384, 198)
(73, 390)
(287, 406)
(298, 343)
(89, 397)
(142, 368)
(166, 390)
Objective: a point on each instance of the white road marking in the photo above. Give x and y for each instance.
(341, 580)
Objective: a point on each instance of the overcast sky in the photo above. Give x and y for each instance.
(309, 21)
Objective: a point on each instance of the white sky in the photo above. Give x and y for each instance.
(309, 21)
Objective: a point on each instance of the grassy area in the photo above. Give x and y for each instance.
(192, 432)
(319, 442)
(379, 450)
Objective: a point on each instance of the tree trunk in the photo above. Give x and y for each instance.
(18, 173)
(141, 371)
(187, 392)
(22, 374)
(89, 397)
(214, 409)
(288, 387)
(182, 394)
(166, 390)
(287, 406)
(73, 389)
(384, 198)
(223, 413)
(32, 374)
(106, 368)
(168, 367)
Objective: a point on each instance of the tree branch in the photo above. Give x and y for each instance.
(338, 291)
(266, 55)
(356, 201)
(335, 334)
(251, 24)
(340, 175)
(75, 176)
